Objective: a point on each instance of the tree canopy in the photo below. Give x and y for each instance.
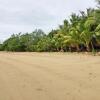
(80, 33)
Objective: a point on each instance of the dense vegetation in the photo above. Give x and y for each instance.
(80, 33)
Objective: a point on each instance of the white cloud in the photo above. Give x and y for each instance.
(26, 15)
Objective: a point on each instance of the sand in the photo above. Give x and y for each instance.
(49, 76)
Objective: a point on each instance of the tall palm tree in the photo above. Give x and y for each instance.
(76, 30)
(89, 28)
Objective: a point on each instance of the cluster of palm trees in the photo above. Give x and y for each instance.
(79, 33)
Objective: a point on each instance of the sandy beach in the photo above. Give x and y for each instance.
(49, 76)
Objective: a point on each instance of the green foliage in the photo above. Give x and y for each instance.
(44, 44)
(1, 48)
(81, 32)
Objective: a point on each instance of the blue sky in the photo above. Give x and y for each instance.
(26, 15)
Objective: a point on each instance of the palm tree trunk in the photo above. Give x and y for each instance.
(93, 50)
(88, 47)
(78, 49)
(62, 50)
(58, 49)
(70, 50)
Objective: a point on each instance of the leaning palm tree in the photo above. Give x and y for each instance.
(76, 30)
(89, 29)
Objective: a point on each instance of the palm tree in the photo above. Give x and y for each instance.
(76, 30)
(89, 29)
(60, 37)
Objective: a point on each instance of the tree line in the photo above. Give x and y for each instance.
(79, 33)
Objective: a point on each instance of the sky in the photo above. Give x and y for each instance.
(27, 15)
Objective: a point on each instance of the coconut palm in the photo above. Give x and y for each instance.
(89, 29)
